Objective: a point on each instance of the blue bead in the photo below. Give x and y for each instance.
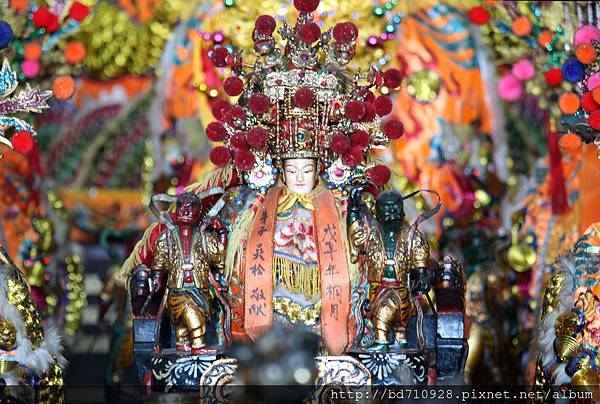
(263, 189)
(326, 175)
(268, 162)
(573, 70)
(274, 171)
(6, 34)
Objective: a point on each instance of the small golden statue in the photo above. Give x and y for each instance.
(392, 250)
(184, 254)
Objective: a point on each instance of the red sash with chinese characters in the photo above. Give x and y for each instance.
(335, 281)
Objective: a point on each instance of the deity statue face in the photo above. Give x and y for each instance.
(390, 206)
(188, 209)
(300, 175)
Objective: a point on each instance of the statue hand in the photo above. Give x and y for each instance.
(158, 283)
(355, 198)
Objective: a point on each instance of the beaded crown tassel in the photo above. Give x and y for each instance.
(299, 99)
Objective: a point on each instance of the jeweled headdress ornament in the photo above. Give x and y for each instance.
(300, 100)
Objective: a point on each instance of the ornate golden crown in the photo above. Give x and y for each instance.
(301, 101)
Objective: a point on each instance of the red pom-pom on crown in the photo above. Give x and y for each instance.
(257, 138)
(219, 108)
(220, 156)
(79, 11)
(355, 110)
(345, 32)
(380, 175)
(216, 132)
(233, 86)
(265, 24)
(219, 57)
(392, 78)
(360, 139)
(339, 143)
(309, 32)
(258, 103)
(383, 105)
(304, 97)
(306, 6)
(393, 129)
(244, 160)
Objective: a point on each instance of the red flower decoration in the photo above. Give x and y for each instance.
(265, 24)
(370, 112)
(219, 109)
(41, 17)
(235, 114)
(22, 141)
(306, 6)
(479, 15)
(79, 11)
(553, 76)
(588, 103)
(355, 110)
(257, 138)
(369, 96)
(353, 157)
(380, 175)
(392, 78)
(258, 103)
(238, 141)
(304, 97)
(244, 160)
(594, 120)
(310, 32)
(219, 57)
(216, 132)
(345, 32)
(393, 129)
(53, 24)
(233, 86)
(339, 143)
(383, 105)
(360, 139)
(220, 156)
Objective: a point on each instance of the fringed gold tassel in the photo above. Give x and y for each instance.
(297, 278)
(235, 250)
(140, 249)
(212, 179)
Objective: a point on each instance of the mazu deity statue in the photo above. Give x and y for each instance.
(291, 241)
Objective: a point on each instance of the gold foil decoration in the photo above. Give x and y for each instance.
(586, 379)
(566, 324)
(567, 347)
(8, 334)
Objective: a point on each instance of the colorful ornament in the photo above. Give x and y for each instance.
(573, 70)
(510, 88)
(587, 33)
(479, 15)
(569, 103)
(523, 70)
(63, 87)
(553, 76)
(522, 26)
(6, 34)
(22, 141)
(585, 53)
(30, 68)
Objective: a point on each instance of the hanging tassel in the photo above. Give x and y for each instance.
(557, 191)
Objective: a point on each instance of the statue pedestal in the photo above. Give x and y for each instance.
(174, 371)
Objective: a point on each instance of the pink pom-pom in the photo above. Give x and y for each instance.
(509, 88)
(523, 70)
(593, 81)
(587, 33)
(30, 68)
